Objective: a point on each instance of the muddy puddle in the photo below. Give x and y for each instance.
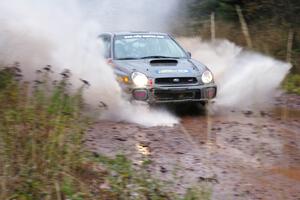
(292, 173)
(247, 154)
(286, 113)
(264, 142)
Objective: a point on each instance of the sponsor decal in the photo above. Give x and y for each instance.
(172, 71)
(144, 36)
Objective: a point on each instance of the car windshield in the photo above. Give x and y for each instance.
(146, 46)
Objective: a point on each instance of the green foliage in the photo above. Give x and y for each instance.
(126, 182)
(292, 84)
(68, 189)
(40, 137)
(129, 183)
(5, 79)
(198, 193)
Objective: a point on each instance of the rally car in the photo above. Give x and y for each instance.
(154, 68)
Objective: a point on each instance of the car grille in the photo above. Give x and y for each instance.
(176, 80)
(167, 95)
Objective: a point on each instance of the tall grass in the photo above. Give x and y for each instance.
(41, 132)
(42, 156)
(292, 84)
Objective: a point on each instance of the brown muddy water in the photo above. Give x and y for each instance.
(238, 154)
(273, 146)
(285, 113)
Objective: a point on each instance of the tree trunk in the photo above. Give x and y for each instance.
(212, 26)
(289, 49)
(244, 26)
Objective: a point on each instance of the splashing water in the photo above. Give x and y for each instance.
(245, 79)
(64, 34)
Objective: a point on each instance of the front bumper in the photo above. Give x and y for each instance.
(198, 93)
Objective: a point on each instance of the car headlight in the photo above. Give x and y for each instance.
(207, 77)
(139, 79)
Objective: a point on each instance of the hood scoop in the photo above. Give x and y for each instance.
(163, 62)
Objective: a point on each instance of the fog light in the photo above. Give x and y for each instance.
(140, 95)
(210, 93)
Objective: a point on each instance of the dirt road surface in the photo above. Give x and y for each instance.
(239, 154)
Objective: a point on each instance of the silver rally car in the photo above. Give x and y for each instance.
(154, 68)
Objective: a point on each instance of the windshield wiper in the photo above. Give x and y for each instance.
(159, 57)
(128, 58)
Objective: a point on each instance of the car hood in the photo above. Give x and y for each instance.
(156, 68)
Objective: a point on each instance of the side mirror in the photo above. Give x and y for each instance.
(189, 54)
(110, 62)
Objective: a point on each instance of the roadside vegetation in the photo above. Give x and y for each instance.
(269, 27)
(42, 154)
(292, 84)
